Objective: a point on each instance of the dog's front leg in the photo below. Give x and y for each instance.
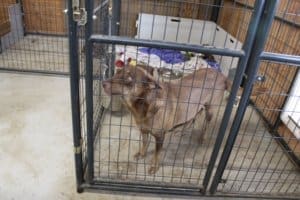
(142, 152)
(159, 140)
(208, 118)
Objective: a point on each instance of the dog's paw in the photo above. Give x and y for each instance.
(139, 156)
(153, 169)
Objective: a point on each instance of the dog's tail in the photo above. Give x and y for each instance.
(255, 92)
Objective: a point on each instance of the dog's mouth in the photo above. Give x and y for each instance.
(108, 89)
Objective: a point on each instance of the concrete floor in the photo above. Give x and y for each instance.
(36, 149)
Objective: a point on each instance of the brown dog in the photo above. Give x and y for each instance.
(159, 107)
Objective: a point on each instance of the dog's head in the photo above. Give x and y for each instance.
(130, 81)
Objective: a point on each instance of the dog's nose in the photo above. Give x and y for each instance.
(104, 83)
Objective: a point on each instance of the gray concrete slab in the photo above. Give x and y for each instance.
(36, 149)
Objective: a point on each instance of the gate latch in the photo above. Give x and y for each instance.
(79, 14)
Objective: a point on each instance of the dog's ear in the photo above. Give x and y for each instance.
(150, 82)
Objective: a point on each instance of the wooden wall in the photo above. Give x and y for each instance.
(40, 16)
(283, 38)
(4, 17)
(44, 16)
(197, 9)
(290, 139)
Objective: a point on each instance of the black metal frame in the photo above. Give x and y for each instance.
(89, 91)
(253, 64)
(74, 82)
(216, 10)
(250, 57)
(249, 42)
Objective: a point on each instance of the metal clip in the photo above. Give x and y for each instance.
(78, 149)
(79, 14)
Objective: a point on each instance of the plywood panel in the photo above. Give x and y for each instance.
(283, 38)
(7, 2)
(5, 25)
(4, 21)
(286, 8)
(44, 16)
(235, 19)
(4, 9)
(197, 9)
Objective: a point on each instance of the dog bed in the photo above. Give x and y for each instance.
(186, 63)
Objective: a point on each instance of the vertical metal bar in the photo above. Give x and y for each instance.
(89, 88)
(75, 104)
(114, 29)
(258, 10)
(216, 10)
(115, 20)
(253, 65)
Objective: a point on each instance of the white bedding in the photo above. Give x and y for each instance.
(152, 60)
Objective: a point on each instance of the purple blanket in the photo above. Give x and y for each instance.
(214, 65)
(169, 56)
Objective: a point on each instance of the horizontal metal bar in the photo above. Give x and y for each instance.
(65, 35)
(248, 195)
(152, 190)
(166, 45)
(34, 72)
(282, 58)
(107, 188)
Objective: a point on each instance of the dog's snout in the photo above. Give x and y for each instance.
(104, 84)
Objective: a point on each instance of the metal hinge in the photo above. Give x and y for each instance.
(79, 13)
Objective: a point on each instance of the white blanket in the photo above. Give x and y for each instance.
(195, 62)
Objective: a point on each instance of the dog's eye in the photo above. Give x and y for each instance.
(128, 81)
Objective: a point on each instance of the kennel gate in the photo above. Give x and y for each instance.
(96, 167)
(33, 37)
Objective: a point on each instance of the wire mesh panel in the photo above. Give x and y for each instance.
(101, 57)
(258, 163)
(268, 140)
(33, 36)
(119, 153)
(154, 86)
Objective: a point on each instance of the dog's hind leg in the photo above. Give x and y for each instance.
(208, 112)
(208, 118)
(143, 150)
(159, 140)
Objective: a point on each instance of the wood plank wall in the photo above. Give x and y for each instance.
(40, 16)
(44, 16)
(197, 9)
(4, 17)
(283, 38)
